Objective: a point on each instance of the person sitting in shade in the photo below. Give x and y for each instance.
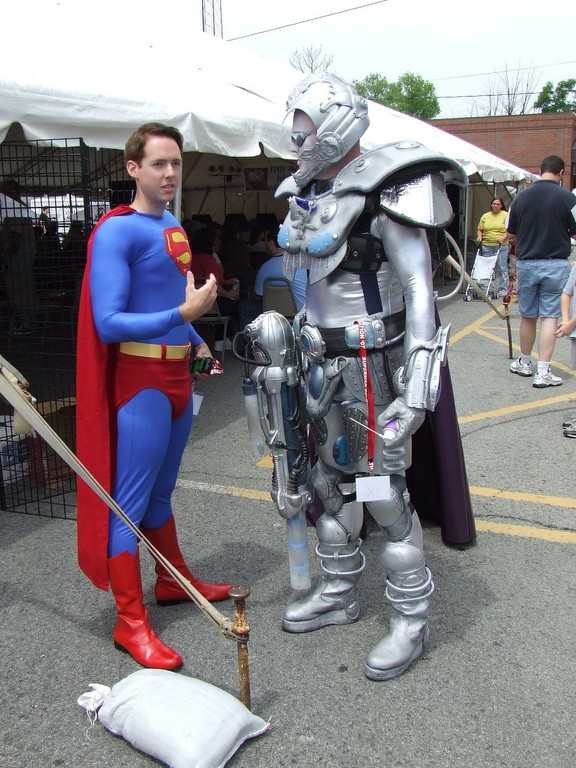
(272, 268)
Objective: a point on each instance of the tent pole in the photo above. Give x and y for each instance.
(177, 203)
(466, 206)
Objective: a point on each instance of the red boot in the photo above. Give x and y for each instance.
(167, 590)
(133, 632)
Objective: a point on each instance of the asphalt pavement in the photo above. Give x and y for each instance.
(494, 688)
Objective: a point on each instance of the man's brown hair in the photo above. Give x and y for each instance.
(136, 144)
(552, 164)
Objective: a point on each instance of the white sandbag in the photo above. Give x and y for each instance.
(181, 721)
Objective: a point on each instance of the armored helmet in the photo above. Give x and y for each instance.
(340, 115)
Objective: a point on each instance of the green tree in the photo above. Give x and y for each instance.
(411, 94)
(559, 99)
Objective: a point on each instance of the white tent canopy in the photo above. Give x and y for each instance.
(224, 99)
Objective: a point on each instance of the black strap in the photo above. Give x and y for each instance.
(371, 291)
(335, 338)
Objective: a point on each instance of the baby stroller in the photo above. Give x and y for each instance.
(483, 271)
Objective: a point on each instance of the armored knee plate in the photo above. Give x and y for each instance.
(394, 514)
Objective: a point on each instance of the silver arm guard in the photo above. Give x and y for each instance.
(272, 342)
(418, 380)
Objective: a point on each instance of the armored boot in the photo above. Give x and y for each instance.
(167, 589)
(333, 600)
(408, 588)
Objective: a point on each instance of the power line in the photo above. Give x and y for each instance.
(511, 93)
(305, 21)
(500, 71)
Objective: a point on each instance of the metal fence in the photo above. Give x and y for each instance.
(51, 193)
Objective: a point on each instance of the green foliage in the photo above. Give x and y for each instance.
(559, 99)
(411, 94)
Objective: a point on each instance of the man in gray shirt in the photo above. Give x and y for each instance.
(541, 221)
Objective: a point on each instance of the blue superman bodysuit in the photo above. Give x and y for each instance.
(137, 280)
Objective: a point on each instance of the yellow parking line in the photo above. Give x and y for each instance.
(497, 327)
(493, 337)
(518, 408)
(265, 462)
(565, 502)
(224, 490)
(527, 532)
(507, 529)
(470, 328)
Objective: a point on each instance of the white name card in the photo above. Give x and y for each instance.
(373, 488)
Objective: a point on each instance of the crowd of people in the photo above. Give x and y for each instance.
(36, 261)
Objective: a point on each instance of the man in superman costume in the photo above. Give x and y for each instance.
(134, 399)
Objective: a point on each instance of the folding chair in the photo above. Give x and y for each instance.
(277, 295)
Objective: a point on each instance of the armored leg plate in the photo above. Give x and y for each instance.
(409, 587)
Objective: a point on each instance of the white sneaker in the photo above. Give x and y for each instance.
(522, 369)
(547, 379)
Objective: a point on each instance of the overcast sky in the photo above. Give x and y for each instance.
(456, 44)
(440, 40)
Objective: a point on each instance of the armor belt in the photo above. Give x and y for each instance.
(338, 341)
(156, 351)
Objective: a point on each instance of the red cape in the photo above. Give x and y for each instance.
(95, 428)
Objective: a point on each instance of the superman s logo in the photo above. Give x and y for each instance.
(178, 248)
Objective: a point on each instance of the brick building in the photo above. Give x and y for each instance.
(521, 139)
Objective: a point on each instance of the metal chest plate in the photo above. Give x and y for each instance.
(315, 231)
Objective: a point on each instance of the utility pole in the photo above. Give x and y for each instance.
(212, 17)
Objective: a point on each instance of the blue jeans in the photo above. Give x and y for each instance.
(540, 283)
(501, 278)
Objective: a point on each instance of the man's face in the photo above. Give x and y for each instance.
(303, 134)
(312, 164)
(159, 173)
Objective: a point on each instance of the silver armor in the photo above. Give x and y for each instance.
(340, 116)
(368, 361)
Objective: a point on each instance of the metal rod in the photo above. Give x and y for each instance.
(12, 389)
(467, 202)
(506, 302)
(177, 202)
(241, 629)
(17, 398)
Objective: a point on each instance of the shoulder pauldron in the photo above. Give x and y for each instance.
(410, 180)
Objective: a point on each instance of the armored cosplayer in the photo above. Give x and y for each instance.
(341, 393)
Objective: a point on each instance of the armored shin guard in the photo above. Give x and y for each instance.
(408, 589)
(333, 599)
(133, 633)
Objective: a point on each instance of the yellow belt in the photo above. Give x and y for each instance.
(156, 351)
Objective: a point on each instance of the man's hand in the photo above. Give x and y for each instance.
(202, 350)
(405, 421)
(565, 328)
(197, 300)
